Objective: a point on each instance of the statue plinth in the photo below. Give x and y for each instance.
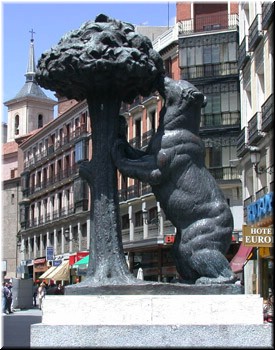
(156, 321)
(154, 288)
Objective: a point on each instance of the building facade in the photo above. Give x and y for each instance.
(29, 110)
(255, 143)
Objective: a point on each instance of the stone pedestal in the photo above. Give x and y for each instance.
(152, 321)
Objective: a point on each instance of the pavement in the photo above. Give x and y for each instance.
(16, 327)
(35, 311)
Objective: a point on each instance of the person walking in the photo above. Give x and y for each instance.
(41, 292)
(34, 293)
(7, 298)
(59, 290)
(4, 298)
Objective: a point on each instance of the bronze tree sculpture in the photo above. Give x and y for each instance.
(106, 62)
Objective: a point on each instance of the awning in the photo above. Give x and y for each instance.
(82, 263)
(240, 258)
(46, 273)
(61, 272)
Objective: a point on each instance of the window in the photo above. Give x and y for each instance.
(138, 218)
(16, 125)
(80, 151)
(40, 121)
(80, 190)
(13, 173)
(215, 156)
(125, 221)
(152, 120)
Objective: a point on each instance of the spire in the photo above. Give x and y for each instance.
(31, 62)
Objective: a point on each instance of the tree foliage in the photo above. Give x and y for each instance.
(105, 56)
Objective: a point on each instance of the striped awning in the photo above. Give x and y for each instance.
(61, 272)
(47, 273)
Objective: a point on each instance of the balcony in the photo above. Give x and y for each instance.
(242, 148)
(223, 120)
(243, 54)
(246, 202)
(268, 114)
(206, 23)
(134, 191)
(267, 14)
(167, 38)
(255, 33)
(58, 147)
(61, 176)
(50, 217)
(254, 129)
(224, 173)
(210, 70)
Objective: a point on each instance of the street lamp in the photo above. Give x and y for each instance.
(67, 236)
(255, 157)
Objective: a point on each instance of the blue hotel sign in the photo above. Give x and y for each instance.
(260, 209)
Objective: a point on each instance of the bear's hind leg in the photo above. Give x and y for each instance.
(212, 266)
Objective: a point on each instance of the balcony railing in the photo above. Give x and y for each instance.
(243, 54)
(218, 23)
(242, 143)
(268, 114)
(254, 128)
(220, 119)
(209, 23)
(134, 191)
(224, 173)
(255, 33)
(49, 217)
(246, 202)
(261, 192)
(60, 176)
(209, 70)
(51, 151)
(267, 14)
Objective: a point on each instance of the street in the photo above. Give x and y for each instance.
(16, 328)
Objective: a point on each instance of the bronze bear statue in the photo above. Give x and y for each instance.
(174, 166)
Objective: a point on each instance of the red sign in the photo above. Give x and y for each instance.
(77, 256)
(169, 239)
(39, 261)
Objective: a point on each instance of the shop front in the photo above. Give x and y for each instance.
(78, 266)
(39, 267)
(258, 234)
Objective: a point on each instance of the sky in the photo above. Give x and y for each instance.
(51, 20)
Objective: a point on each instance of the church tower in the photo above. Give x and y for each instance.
(30, 109)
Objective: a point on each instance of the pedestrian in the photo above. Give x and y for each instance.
(41, 292)
(34, 293)
(7, 298)
(59, 289)
(4, 298)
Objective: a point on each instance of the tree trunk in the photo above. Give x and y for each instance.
(107, 264)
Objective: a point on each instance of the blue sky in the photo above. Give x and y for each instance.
(51, 20)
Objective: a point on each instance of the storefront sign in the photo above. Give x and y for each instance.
(257, 236)
(169, 239)
(39, 261)
(49, 253)
(258, 210)
(56, 262)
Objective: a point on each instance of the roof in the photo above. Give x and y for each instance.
(31, 88)
(10, 147)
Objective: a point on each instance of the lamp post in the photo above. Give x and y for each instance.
(67, 236)
(255, 157)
